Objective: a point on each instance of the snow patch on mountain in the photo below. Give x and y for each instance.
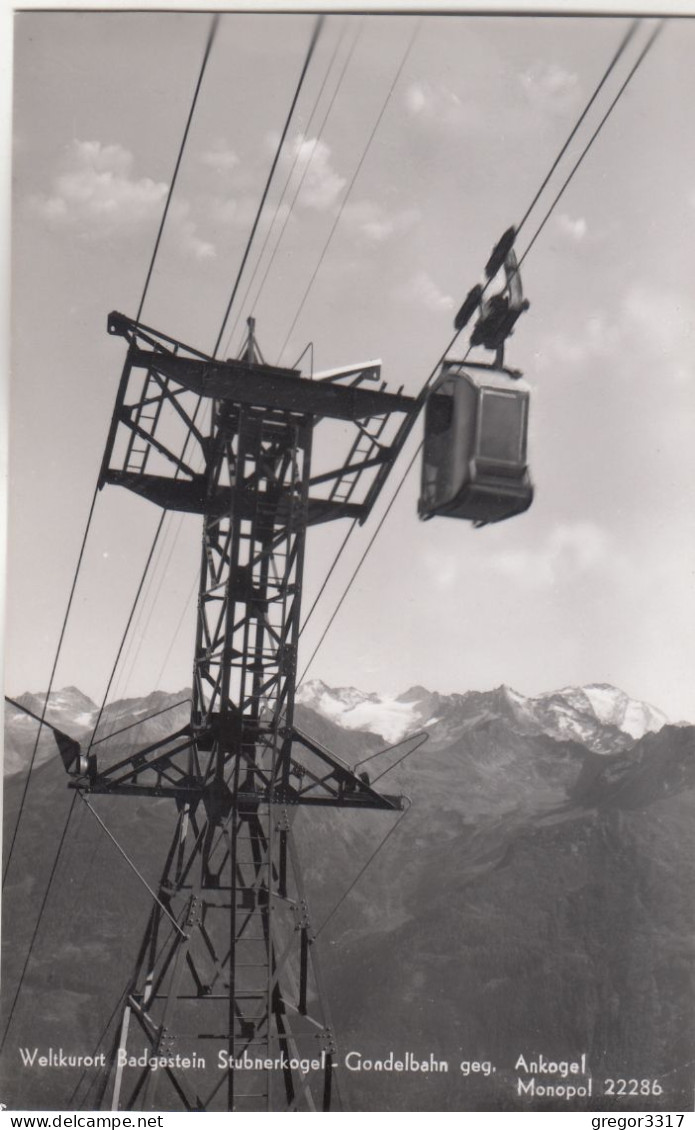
(615, 708)
(600, 716)
(355, 710)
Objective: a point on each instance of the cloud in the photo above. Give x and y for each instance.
(549, 87)
(189, 242)
(422, 290)
(321, 184)
(378, 223)
(98, 185)
(219, 157)
(438, 105)
(98, 194)
(596, 338)
(239, 211)
(574, 229)
(658, 318)
(443, 568)
(569, 551)
(664, 321)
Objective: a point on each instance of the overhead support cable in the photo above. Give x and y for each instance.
(187, 604)
(147, 718)
(329, 574)
(143, 578)
(626, 40)
(314, 39)
(141, 623)
(132, 866)
(357, 568)
(208, 47)
(362, 870)
(127, 627)
(394, 82)
(51, 680)
(355, 175)
(312, 45)
(288, 180)
(42, 908)
(428, 382)
(643, 54)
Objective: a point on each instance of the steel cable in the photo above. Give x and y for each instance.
(76, 573)
(314, 39)
(286, 186)
(316, 32)
(628, 36)
(545, 219)
(645, 50)
(56, 658)
(208, 47)
(362, 870)
(351, 185)
(42, 908)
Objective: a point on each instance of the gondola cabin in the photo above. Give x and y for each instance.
(474, 451)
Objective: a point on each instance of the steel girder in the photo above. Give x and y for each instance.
(224, 1010)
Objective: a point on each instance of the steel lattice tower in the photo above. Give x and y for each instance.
(226, 997)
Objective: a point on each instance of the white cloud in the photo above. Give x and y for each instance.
(422, 290)
(189, 242)
(321, 184)
(663, 318)
(658, 318)
(438, 105)
(596, 338)
(550, 87)
(569, 551)
(240, 211)
(98, 194)
(574, 229)
(443, 568)
(220, 157)
(378, 223)
(98, 185)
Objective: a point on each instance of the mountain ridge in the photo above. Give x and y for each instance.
(600, 716)
(535, 895)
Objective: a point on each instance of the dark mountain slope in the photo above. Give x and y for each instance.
(536, 899)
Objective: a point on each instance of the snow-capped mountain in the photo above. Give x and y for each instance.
(598, 715)
(76, 715)
(537, 883)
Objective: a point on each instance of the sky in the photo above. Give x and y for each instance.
(420, 140)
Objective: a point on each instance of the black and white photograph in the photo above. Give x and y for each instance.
(349, 757)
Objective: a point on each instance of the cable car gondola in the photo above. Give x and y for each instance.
(474, 453)
(476, 414)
